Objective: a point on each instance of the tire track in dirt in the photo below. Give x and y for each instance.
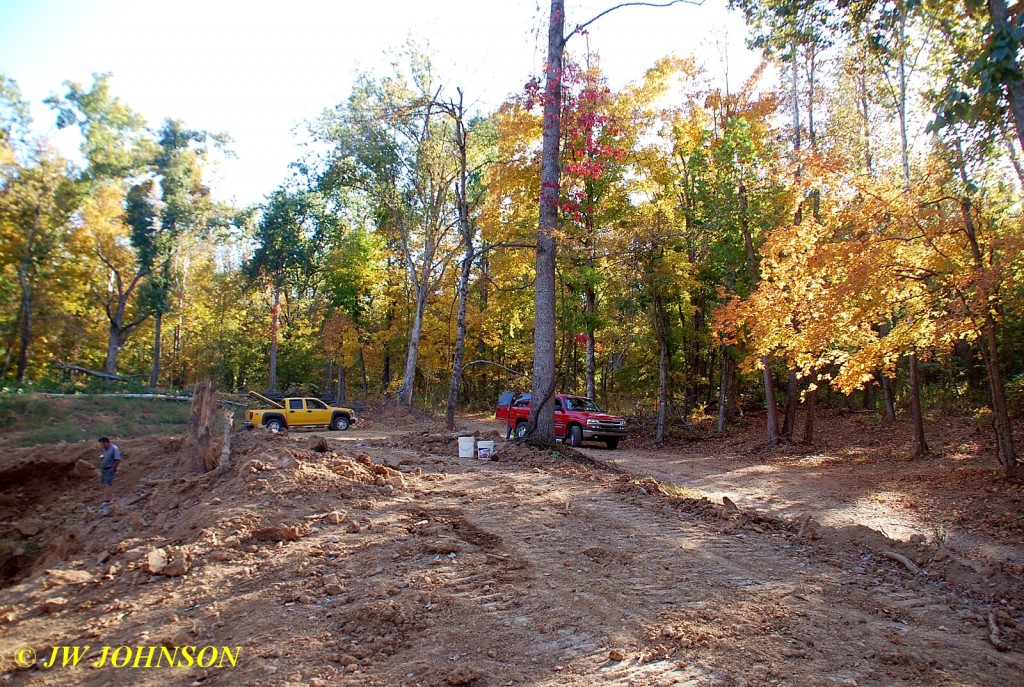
(668, 590)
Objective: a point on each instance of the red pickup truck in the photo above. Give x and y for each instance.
(577, 419)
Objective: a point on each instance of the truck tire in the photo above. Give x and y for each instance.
(340, 423)
(521, 429)
(612, 444)
(575, 435)
(274, 424)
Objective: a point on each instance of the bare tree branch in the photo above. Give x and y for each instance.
(584, 25)
(488, 362)
(504, 244)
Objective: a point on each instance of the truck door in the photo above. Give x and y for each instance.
(317, 412)
(296, 412)
(560, 419)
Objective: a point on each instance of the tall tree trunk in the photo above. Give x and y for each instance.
(812, 73)
(178, 361)
(412, 355)
(154, 377)
(1005, 453)
(661, 330)
(275, 325)
(26, 275)
(659, 438)
(888, 398)
(342, 395)
(901, 74)
(9, 347)
(389, 321)
(723, 391)
(729, 363)
(113, 348)
(460, 338)
(362, 369)
(695, 362)
(1011, 149)
(865, 112)
(541, 426)
(794, 95)
(920, 445)
(792, 402)
(591, 360)
(26, 321)
(176, 350)
(468, 241)
(769, 399)
(812, 402)
(766, 367)
(1001, 22)
(115, 333)
(116, 307)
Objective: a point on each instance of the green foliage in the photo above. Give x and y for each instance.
(141, 217)
(353, 268)
(783, 27)
(15, 118)
(115, 142)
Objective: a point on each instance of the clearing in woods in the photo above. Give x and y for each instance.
(379, 557)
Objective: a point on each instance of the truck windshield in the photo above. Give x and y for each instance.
(580, 403)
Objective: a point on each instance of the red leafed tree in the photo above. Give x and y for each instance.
(594, 151)
(541, 427)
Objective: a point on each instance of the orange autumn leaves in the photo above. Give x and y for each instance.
(876, 272)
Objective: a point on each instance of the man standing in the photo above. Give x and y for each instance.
(109, 460)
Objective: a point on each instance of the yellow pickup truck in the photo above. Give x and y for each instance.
(299, 412)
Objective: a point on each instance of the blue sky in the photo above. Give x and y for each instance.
(257, 69)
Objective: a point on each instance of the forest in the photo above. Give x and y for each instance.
(843, 227)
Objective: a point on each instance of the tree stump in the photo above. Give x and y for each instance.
(200, 453)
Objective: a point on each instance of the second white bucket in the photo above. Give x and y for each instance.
(484, 449)
(466, 447)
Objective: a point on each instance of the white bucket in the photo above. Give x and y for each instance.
(466, 447)
(484, 449)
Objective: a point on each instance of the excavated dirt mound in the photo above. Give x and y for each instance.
(432, 442)
(346, 561)
(386, 413)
